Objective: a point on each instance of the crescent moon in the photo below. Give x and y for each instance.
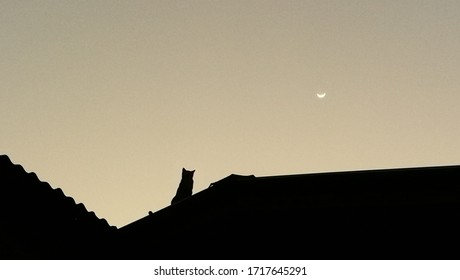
(321, 95)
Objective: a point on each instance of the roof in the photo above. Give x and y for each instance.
(39, 221)
(393, 213)
(408, 213)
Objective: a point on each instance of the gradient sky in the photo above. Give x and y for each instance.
(108, 100)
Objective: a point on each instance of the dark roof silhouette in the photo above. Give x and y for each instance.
(409, 213)
(39, 222)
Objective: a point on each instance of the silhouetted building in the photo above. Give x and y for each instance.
(409, 213)
(39, 222)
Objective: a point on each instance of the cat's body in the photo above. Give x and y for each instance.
(185, 188)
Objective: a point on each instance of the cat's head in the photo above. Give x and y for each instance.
(187, 173)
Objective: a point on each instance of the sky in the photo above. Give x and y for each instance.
(109, 100)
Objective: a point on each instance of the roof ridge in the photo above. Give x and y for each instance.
(57, 195)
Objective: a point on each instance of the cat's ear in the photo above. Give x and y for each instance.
(183, 169)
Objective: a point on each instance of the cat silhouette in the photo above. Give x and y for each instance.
(185, 186)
